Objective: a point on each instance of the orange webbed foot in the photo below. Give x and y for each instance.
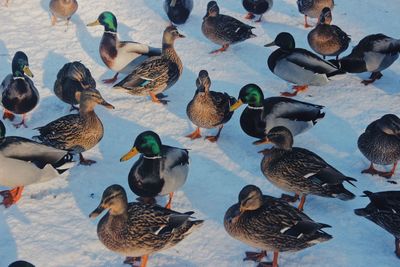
(12, 196)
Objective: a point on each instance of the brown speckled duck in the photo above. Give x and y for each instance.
(313, 8)
(62, 9)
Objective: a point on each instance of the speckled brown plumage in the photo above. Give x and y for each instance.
(63, 9)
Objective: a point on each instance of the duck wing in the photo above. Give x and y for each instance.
(223, 102)
(138, 48)
(311, 61)
(175, 156)
(232, 29)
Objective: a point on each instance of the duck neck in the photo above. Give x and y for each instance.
(86, 109)
(119, 208)
(168, 51)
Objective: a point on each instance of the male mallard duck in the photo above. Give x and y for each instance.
(18, 94)
(327, 39)
(299, 170)
(160, 170)
(138, 229)
(77, 132)
(313, 8)
(24, 162)
(261, 115)
(72, 79)
(63, 9)
(384, 210)
(374, 53)
(178, 11)
(269, 223)
(208, 109)
(156, 74)
(258, 7)
(21, 264)
(222, 29)
(298, 66)
(380, 144)
(120, 56)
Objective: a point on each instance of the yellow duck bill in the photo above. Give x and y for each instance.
(94, 23)
(28, 71)
(133, 152)
(236, 105)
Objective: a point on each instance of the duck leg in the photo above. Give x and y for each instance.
(274, 262)
(371, 170)
(222, 49)
(374, 76)
(397, 244)
(53, 20)
(297, 89)
(144, 260)
(196, 134)
(214, 138)
(169, 204)
(255, 256)
(111, 80)
(8, 115)
(306, 25)
(302, 201)
(155, 99)
(249, 16)
(11, 197)
(22, 123)
(289, 198)
(131, 261)
(86, 162)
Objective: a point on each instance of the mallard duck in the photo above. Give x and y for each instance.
(62, 9)
(222, 29)
(301, 171)
(138, 229)
(269, 223)
(18, 94)
(71, 80)
(24, 162)
(258, 7)
(120, 56)
(21, 264)
(327, 39)
(384, 210)
(298, 66)
(380, 144)
(159, 171)
(313, 8)
(261, 115)
(77, 132)
(374, 53)
(178, 11)
(156, 74)
(208, 109)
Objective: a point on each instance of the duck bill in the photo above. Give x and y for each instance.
(27, 71)
(181, 36)
(107, 105)
(133, 152)
(96, 212)
(94, 23)
(270, 44)
(236, 105)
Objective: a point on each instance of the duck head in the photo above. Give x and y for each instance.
(284, 40)
(203, 81)
(250, 94)
(171, 33)
(113, 199)
(250, 198)
(20, 65)
(281, 137)
(326, 16)
(88, 99)
(147, 143)
(21, 264)
(212, 9)
(108, 20)
(389, 124)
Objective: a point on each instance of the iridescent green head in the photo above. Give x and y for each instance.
(284, 40)
(20, 65)
(147, 143)
(250, 94)
(108, 20)
(2, 130)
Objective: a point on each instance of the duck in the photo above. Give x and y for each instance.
(21, 264)
(271, 224)
(178, 11)
(313, 8)
(137, 229)
(120, 56)
(76, 132)
(72, 79)
(208, 109)
(298, 66)
(18, 94)
(156, 74)
(160, 170)
(257, 7)
(24, 162)
(62, 9)
(380, 144)
(301, 171)
(384, 210)
(261, 115)
(224, 30)
(374, 53)
(326, 39)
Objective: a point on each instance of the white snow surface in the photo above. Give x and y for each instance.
(50, 225)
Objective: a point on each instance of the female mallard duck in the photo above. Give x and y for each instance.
(156, 74)
(258, 7)
(18, 94)
(222, 29)
(261, 115)
(374, 53)
(159, 171)
(62, 9)
(313, 8)
(208, 109)
(384, 210)
(120, 56)
(269, 223)
(138, 229)
(298, 66)
(72, 79)
(301, 171)
(178, 11)
(24, 162)
(77, 132)
(380, 144)
(327, 39)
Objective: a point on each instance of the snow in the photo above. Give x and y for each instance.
(50, 224)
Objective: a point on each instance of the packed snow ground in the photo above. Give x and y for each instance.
(50, 225)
